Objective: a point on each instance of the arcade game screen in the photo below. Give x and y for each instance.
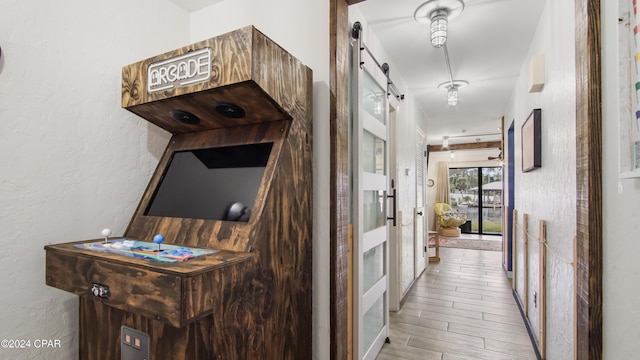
(212, 184)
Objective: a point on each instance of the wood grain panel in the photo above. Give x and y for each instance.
(339, 187)
(589, 180)
(258, 106)
(100, 324)
(230, 64)
(269, 317)
(469, 146)
(248, 69)
(148, 293)
(192, 267)
(271, 62)
(213, 234)
(253, 300)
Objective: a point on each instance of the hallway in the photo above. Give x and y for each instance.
(459, 309)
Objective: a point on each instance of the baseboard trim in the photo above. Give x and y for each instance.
(410, 289)
(527, 324)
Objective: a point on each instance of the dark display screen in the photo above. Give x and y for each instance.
(212, 184)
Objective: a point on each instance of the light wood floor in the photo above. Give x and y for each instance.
(459, 309)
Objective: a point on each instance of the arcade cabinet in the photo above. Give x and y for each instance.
(216, 261)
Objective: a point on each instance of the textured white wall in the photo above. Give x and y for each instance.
(621, 211)
(549, 193)
(301, 28)
(72, 161)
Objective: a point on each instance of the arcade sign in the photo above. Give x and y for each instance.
(180, 71)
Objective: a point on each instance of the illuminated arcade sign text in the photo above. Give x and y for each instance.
(183, 70)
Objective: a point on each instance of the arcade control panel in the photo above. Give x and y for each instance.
(165, 282)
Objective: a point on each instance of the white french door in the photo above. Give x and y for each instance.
(370, 184)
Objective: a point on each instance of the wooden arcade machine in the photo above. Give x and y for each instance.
(231, 198)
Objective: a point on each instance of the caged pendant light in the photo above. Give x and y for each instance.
(437, 13)
(452, 95)
(439, 23)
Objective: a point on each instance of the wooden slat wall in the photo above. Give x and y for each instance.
(339, 128)
(589, 180)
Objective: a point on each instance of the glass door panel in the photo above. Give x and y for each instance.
(477, 193)
(373, 215)
(463, 185)
(374, 265)
(374, 321)
(373, 98)
(491, 200)
(373, 154)
(369, 199)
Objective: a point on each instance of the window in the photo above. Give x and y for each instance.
(477, 193)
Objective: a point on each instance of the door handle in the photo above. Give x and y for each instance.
(419, 213)
(393, 196)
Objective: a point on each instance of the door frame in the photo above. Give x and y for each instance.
(588, 332)
(395, 232)
(420, 256)
(511, 173)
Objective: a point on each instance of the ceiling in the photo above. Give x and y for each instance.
(487, 45)
(193, 5)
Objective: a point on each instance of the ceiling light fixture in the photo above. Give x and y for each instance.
(452, 95)
(439, 24)
(445, 141)
(437, 13)
(452, 87)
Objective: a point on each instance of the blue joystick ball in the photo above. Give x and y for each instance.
(158, 239)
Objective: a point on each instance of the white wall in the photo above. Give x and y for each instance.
(72, 161)
(301, 28)
(621, 211)
(549, 193)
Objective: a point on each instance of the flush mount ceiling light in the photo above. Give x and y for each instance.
(437, 13)
(452, 90)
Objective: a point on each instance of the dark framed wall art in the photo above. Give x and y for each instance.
(531, 141)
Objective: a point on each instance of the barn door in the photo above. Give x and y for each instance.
(370, 201)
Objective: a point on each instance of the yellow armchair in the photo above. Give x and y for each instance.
(447, 218)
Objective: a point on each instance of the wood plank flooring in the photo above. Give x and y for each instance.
(459, 309)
